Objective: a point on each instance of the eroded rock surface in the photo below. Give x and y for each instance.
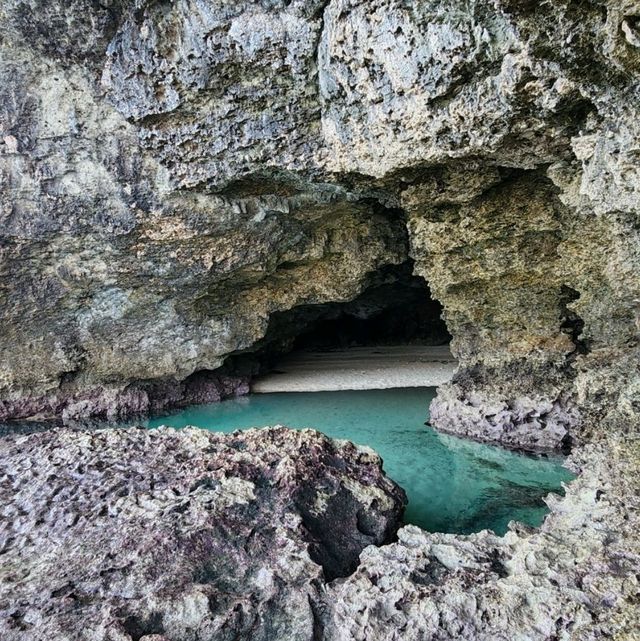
(187, 534)
(174, 173)
(125, 534)
(575, 578)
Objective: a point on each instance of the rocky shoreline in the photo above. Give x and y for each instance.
(188, 182)
(124, 533)
(576, 578)
(273, 534)
(119, 403)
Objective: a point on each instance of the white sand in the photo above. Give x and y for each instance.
(359, 368)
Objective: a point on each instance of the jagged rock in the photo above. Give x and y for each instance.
(172, 174)
(575, 578)
(130, 533)
(177, 535)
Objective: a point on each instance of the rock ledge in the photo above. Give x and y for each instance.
(118, 534)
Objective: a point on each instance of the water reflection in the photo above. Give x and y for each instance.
(453, 485)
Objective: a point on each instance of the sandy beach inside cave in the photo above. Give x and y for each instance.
(359, 368)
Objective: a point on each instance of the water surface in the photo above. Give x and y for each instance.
(453, 485)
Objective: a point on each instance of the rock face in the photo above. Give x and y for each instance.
(121, 534)
(576, 578)
(177, 177)
(174, 173)
(123, 265)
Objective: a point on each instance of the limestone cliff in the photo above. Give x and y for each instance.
(173, 173)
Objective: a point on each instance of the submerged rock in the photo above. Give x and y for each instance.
(120, 534)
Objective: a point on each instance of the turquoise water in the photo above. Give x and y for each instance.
(453, 485)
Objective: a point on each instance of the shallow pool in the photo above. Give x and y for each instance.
(453, 485)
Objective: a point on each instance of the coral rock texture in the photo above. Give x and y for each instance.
(120, 535)
(174, 173)
(177, 176)
(116, 535)
(575, 578)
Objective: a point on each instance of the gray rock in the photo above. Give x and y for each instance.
(125, 534)
(575, 578)
(174, 174)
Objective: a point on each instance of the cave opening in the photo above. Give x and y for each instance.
(379, 399)
(394, 317)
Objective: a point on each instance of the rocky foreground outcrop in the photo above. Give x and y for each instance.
(115, 535)
(574, 579)
(173, 174)
(139, 535)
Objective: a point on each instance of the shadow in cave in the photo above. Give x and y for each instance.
(396, 309)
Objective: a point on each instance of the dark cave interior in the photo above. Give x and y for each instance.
(396, 309)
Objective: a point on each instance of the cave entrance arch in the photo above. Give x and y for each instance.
(394, 324)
